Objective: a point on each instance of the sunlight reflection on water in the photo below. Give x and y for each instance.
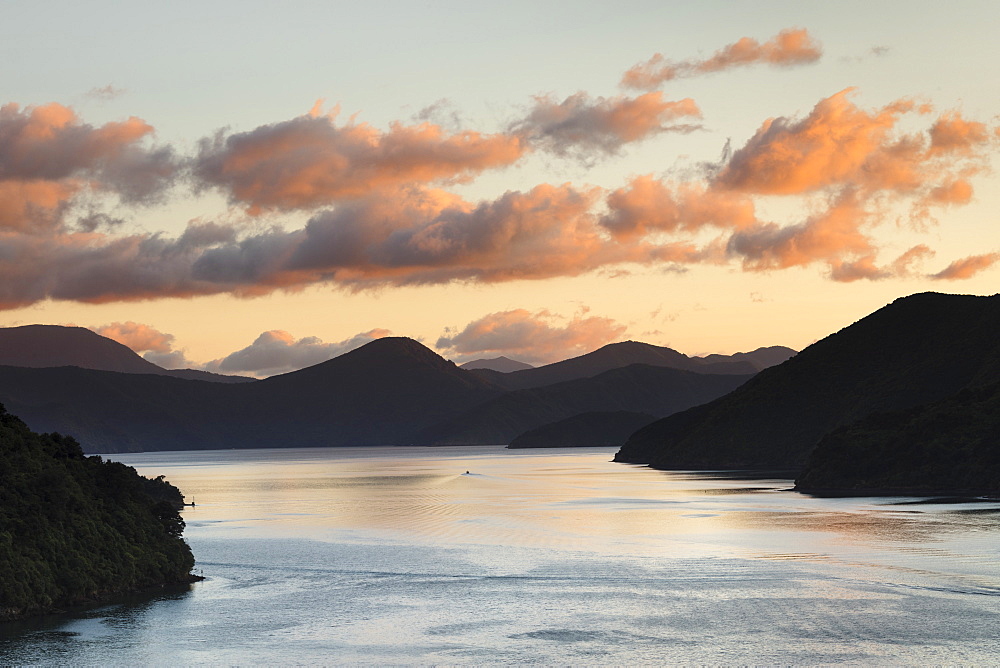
(397, 555)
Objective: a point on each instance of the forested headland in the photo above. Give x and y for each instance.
(75, 529)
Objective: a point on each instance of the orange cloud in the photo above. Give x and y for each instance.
(832, 146)
(647, 205)
(29, 206)
(531, 337)
(865, 267)
(824, 237)
(967, 267)
(787, 48)
(579, 125)
(47, 156)
(310, 161)
(839, 147)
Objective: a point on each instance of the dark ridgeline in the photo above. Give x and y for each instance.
(499, 364)
(618, 355)
(43, 346)
(76, 529)
(597, 428)
(922, 348)
(392, 391)
(638, 387)
(378, 394)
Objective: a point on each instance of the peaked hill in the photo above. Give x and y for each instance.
(45, 346)
(375, 395)
(918, 349)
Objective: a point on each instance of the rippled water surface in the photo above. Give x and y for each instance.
(397, 555)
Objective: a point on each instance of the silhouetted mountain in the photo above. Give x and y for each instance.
(500, 364)
(949, 446)
(54, 345)
(375, 395)
(599, 428)
(618, 355)
(42, 346)
(637, 388)
(921, 348)
(760, 359)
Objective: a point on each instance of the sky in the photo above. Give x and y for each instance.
(249, 187)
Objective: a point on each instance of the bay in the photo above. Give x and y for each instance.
(488, 556)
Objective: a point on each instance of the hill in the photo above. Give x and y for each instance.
(950, 446)
(636, 388)
(598, 428)
(499, 364)
(45, 346)
(619, 355)
(918, 349)
(375, 395)
(75, 529)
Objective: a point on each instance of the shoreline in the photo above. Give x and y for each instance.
(14, 615)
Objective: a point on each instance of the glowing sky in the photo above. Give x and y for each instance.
(252, 188)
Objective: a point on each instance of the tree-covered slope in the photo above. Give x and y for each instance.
(76, 528)
(951, 445)
(918, 349)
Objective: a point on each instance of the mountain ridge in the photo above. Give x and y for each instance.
(919, 348)
(48, 346)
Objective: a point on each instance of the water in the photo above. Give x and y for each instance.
(397, 556)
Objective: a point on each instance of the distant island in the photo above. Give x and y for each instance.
(77, 529)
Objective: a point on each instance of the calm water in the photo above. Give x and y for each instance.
(397, 555)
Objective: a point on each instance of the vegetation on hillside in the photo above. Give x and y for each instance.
(75, 528)
(946, 446)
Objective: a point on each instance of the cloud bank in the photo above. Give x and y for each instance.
(380, 209)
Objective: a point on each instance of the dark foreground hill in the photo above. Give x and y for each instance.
(75, 529)
(598, 428)
(919, 349)
(44, 346)
(620, 355)
(638, 388)
(948, 446)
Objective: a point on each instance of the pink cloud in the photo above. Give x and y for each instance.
(137, 336)
(310, 161)
(649, 205)
(48, 156)
(788, 48)
(967, 267)
(539, 337)
(579, 125)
